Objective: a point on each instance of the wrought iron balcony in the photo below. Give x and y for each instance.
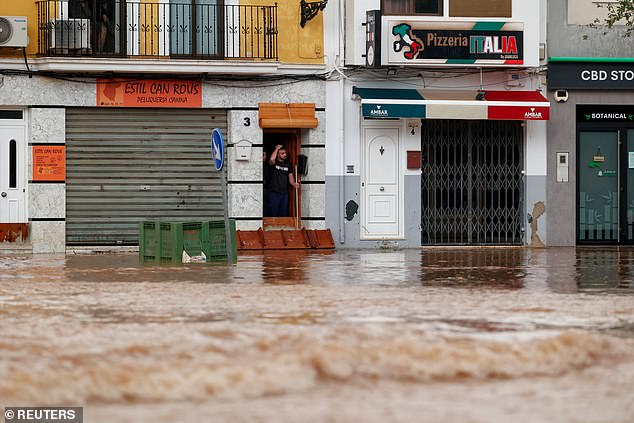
(191, 29)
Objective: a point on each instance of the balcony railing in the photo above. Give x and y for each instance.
(191, 29)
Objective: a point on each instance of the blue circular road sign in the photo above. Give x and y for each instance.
(218, 149)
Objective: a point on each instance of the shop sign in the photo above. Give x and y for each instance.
(49, 163)
(606, 113)
(591, 76)
(395, 111)
(456, 42)
(518, 113)
(149, 93)
(600, 172)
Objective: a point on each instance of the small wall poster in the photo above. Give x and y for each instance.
(49, 163)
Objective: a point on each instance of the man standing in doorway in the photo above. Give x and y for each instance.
(279, 177)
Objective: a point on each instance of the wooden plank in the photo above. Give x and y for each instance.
(282, 115)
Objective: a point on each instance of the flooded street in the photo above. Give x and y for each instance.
(432, 335)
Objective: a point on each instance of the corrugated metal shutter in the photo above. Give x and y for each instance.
(125, 166)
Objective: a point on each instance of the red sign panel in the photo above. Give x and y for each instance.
(518, 113)
(149, 93)
(49, 163)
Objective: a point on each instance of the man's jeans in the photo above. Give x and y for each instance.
(277, 204)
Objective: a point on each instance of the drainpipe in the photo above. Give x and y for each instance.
(342, 154)
(342, 120)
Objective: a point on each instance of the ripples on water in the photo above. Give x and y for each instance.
(289, 323)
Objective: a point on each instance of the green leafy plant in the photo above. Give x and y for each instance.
(619, 13)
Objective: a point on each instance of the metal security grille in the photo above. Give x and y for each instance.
(125, 166)
(472, 184)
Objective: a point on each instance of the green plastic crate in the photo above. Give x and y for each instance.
(164, 242)
(149, 241)
(216, 248)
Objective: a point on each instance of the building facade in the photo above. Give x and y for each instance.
(591, 131)
(107, 109)
(436, 128)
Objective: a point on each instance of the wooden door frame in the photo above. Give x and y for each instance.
(293, 145)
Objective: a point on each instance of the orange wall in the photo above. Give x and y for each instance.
(21, 8)
(297, 44)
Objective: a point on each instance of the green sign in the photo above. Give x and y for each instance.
(395, 111)
(606, 113)
(601, 173)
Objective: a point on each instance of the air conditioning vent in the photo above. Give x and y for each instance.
(69, 34)
(13, 31)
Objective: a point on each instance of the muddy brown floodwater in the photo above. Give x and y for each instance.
(431, 335)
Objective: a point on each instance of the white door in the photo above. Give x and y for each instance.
(381, 184)
(12, 175)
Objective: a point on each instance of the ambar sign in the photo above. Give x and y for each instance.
(518, 113)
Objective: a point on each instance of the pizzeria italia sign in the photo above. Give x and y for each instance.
(456, 42)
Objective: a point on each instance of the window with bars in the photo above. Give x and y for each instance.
(412, 7)
(457, 8)
(472, 182)
(205, 29)
(485, 9)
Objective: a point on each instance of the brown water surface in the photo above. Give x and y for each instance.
(451, 335)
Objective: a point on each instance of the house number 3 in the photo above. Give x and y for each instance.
(247, 121)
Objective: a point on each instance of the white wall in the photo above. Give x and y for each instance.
(334, 33)
(583, 12)
(536, 148)
(355, 31)
(529, 13)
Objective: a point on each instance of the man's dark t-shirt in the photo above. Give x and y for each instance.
(278, 177)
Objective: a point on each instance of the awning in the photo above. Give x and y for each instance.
(287, 115)
(438, 104)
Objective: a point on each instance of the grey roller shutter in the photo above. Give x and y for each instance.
(125, 166)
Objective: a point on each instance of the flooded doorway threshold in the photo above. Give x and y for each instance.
(281, 233)
(14, 237)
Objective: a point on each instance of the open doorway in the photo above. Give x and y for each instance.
(290, 140)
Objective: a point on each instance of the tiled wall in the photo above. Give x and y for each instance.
(47, 201)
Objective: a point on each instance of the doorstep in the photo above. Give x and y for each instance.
(15, 248)
(102, 249)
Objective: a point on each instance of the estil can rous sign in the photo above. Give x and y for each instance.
(149, 93)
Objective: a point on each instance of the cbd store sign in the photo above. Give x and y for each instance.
(591, 76)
